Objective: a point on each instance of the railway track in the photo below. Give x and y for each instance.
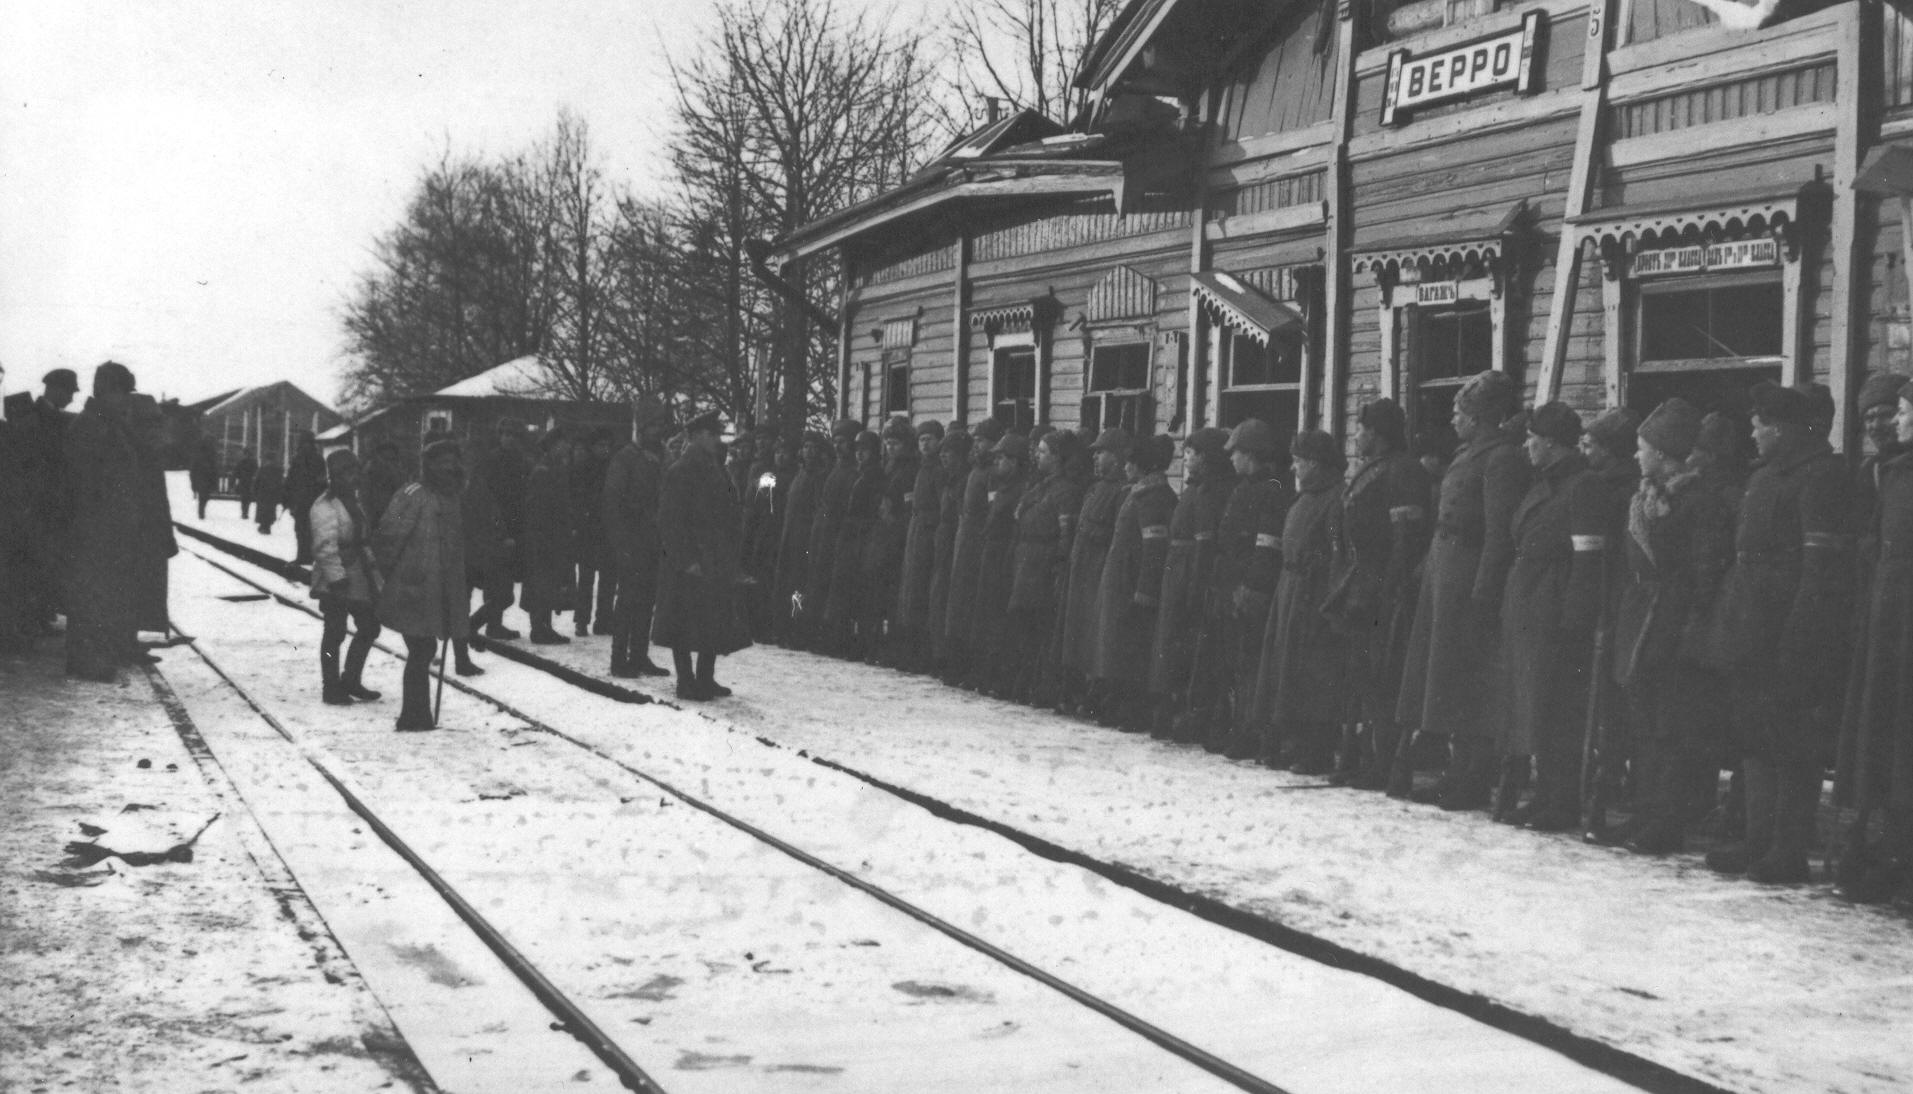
(1612, 1064)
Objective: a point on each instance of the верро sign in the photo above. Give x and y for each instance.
(1504, 60)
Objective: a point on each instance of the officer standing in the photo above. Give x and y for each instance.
(1209, 479)
(1130, 591)
(925, 502)
(843, 611)
(700, 614)
(833, 502)
(889, 537)
(1095, 527)
(1448, 681)
(1779, 632)
(1045, 524)
(1236, 609)
(793, 547)
(1009, 478)
(1298, 692)
(632, 481)
(966, 553)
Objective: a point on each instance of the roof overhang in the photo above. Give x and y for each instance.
(1242, 307)
(1449, 243)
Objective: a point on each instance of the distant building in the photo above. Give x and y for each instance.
(264, 419)
(470, 409)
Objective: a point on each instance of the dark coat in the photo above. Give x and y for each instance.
(244, 473)
(632, 482)
(1881, 713)
(420, 547)
(550, 566)
(305, 479)
(793, 536)
(156, 543)
(1185, 578)
(1783, 608)
(269, 485)
(833, 501)
(996, 569)
(1447, 676)
(502, 474)
(949, 514)
(883, 552)
(1045, 520)
(203, 474)
(1130, 592)
(925, 501)
(1300, 681)
(966, 554)
(103, 483)
(1384, 535)
(382, 480)
(762, 500)
(1095, 527)
(588, 541)
(700, 523)
(1552, 604)
(847, 585)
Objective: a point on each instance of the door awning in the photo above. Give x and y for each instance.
(1239, 306)
(1461, 239)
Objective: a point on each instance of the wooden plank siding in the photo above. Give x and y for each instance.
(1560, 68)
(1286, 85)
(1656, 19)
(1767, 93)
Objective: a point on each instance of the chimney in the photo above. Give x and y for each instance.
(993, 108)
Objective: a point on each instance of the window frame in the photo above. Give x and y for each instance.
(1125, 337)
(1668, 286)
(1017, 342)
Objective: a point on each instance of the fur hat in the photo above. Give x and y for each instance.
(930, 426)
(989, 429)
(1881, 389)
(1016, 446)
(845, 429)
(869, 440)
(1254, 436)
(898, 429)
(1775, 404)
(1317, 445)
(1209, 440)
(956, 445)
(1719, 437)
(1819, 403)
(1114, 439)
(1488, 396)
(1556, 421)
(1614, 430)
(1153, 453)
(1384, 418)
(1672, 428)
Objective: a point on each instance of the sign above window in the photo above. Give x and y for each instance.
(1742, 254)
(1437, 292)
(1502, 60)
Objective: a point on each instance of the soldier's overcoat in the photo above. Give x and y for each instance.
(1882, 714)
(827, 522)
(1185, 577)
(1095, 527)
(1552, 603)
(1129, 593)
(996, 562)
(966, 552)
(925, 503)
(1383, 539)
(1300, 679)
(700, 524)
(420, 547)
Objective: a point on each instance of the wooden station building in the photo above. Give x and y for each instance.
(1283, 209)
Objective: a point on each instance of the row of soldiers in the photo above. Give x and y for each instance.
(1569, 612)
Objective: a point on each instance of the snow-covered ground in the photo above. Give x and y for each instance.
(1750, 988)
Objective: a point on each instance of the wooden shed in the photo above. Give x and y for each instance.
(265, 420)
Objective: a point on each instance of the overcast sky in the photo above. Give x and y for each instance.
(190, 187)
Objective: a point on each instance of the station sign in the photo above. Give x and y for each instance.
(1741, 254)
(1501, 60)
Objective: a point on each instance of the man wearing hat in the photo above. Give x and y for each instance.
(1881, 706)
(966, 553)
(833, 501)
(1383, 536)
(1095, 526)
(1448, 685)
(1608, 444)
(993, 666)
(1779, 632)
(596, 577)
(1209, 478)
(843, 610)
(953, 454)
(793, 537)
(883, 556)
(1548, 616)
(924, 501)
(1130, 590)
(1298, 703)
(39, 428)
(420, 547)
(632, 482)
(345, 581)
(105, 481)
(700, 614)
(1679, 544)
(548, 554)
(1235, 609)
(495, 525)
(1045, 525)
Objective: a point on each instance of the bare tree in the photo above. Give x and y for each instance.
(1025, 54)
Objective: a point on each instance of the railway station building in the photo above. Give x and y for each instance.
(1282, 210)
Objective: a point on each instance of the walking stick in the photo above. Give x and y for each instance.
(445, 654)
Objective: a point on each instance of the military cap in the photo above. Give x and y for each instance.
(1317, 445)
(1557, 422)
(446, 447)
(1153, 453)
(1775, 404)
(957, 445)
(1254, 436)
(1488, 395)
(1719, 436)
(1614, 430)
(1672, 428)
(845, 429)
(1819, 403)
(1384, 417)
(930, 426)
(1016, 446)
(898, 429)
(61, 378)
(869, 440)
(1114, 439)
(1881, 389)
(1208, 440)
(989, 429)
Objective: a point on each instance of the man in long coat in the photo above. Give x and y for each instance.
(1130, 590)
(793, 548)
(40, 427)
(420, 548)
(305, 481)
(1384, 534)
(632, 482)
(1095, 527)
(1548, 616)
(843, 611)
(953, 454)
(833, 501)
(990, 621)
(1879, 404)
(383, 478)
(597, 575)
(1609, 443)
(102, 457)
(762, 502)
(203, 474)
(925, 503)
(1679, 545)
(1298, 693)
(500, 476)
(244, 473)
(1235, 611)
(1780, 632)
(889, 538)
(549, 559)
(966, 552)
(1045, 524)
(700, 613)
(1448, 683)
(1881, 709)
(1209, 479)
(268, 490)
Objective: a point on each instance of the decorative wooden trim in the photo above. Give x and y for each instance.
(1626, 228)
(1613, 344)
(960, 332)
(898, 333)
(1798, 121)
(1121, 294)
(1567, 255)
(1294, 218)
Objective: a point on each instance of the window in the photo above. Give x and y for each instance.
(1013, 386)
(1709, 323)
(896, 381)
(438, 421)
(1441, 345)
(1259, 381)
(1118, 388)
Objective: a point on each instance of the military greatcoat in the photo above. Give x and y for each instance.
(549, 562)
(827, 522)
(1131, 587)
(925, 503)
(420, 548)
(1882, 713)
(996, 562)
(966, 553)
(793, 547)
(1552, 604)
(101, 465)
(1095, 526)
(1300, 679)
(1447, 676)
(1185, 577)
(1384, 536)
(949, 515)
(889, 536)
(700, 525)
(861, 509)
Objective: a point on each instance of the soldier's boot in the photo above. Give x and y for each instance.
(1757, 782)
(1473, 767)
(621, 657)
(1507, 791)
(1660, 776)
(1796, 802)
(349, 677)
(462, 659)
(688, 688)
(1877, 874)
(1349, 755)
(707, 676)
(415, 704)
(331, 691)
(541, 632)
(639, 657)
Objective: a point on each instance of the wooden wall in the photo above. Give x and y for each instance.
(1285, 85)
